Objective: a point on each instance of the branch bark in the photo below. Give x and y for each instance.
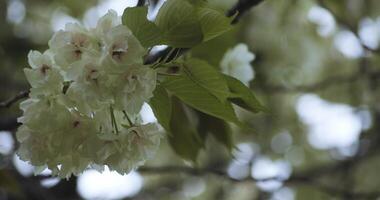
(8, 103)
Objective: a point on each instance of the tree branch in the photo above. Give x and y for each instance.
(199, 172)
(8, 103)
(295, 179)
(319, 85)
(140, 3)
(241, 8)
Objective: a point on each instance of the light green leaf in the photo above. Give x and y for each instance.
(162, 106)
(144, 30)
(207, 77)
(213, 22)
(243, 96)
(199, 98)
(180, 26)
(183, 139)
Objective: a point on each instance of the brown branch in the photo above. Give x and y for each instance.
(241, 7)
(8, 103)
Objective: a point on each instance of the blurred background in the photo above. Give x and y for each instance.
(316, 69)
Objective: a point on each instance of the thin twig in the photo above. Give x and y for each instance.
(8, 103)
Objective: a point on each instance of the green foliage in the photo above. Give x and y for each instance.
(199, 98)
(242, 96)
(202, 87)
(184, 24)
(207, 77)
(219, 46)
(213, 22)
(146, 31)
(184, 138)
(217, 128)
(162, 106)
(179, 25)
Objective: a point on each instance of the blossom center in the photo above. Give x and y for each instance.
(44, 68)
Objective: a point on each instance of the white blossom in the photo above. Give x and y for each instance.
(137, 144)
(122, 47)
(237, 63)
(107, 22)
(43, 76)
(135, 86)
(86, 92)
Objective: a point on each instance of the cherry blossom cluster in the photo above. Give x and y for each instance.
(86, 93)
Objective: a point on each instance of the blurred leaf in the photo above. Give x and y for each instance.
(146, 32)
(9, 183)
(243, 96)
(207, 77)
(199, 98)
(183, 138)
(217, 128)
(179, 24)
(162, 106)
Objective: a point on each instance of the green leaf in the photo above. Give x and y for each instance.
(199, 98)
(180, 26)
(162, 106)
(144, 30)
(183, 139)
(213, 50)
(243, 96)
(213, 22)
(217, 128)
(207, 77)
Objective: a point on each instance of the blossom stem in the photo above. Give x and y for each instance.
(113, 120)
(129, 120)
